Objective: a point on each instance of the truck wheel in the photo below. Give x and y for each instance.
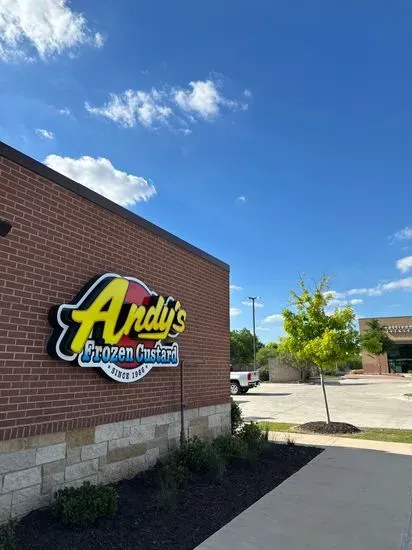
(244, 390)
(234, 388)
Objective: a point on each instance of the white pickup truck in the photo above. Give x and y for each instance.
(242, 381)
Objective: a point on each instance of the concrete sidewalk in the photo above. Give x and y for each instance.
(344, 499)
(334, 441)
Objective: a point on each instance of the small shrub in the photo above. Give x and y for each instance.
(7, 536)
(356, 371)
(253, 436)
(236, 417)
(168, 469)
(192, 454)
(214, 465)
(230, 447)
(264, 373)
(167, 493)
(84, 505)
(290, 440)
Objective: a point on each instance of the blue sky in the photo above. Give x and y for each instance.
(274, 135)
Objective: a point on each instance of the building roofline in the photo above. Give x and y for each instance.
(384, 317)
(44, 171)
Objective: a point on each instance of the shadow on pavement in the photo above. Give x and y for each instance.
(268, 393)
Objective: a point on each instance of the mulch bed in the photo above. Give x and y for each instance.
(324, 428)
(203, 508)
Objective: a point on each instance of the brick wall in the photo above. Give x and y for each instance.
(59, 240)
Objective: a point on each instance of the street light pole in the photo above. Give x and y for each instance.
(253, 298)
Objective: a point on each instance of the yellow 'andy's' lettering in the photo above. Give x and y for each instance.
(114, 294)
(155, 321)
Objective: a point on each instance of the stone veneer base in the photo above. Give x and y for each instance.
(32, 469)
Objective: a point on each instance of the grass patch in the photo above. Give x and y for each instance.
(372, 434)
(384, 434)
(277, 426)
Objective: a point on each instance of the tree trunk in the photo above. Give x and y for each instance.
(322, 382)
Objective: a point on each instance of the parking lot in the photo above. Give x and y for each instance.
(371, 403)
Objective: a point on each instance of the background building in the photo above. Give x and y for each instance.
(399, 358)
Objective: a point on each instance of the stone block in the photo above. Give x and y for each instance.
(161, 431)
(122, 470)
(174, 430)
(190, 413)
(161, 444)
(5, 507)
(54, 467)
(207, 411)
(12, 445)
(94, 451)
(43, 440)
(215, 421)
(24, 478)
(165, 418)
(93, 479)
(102, 461)
(106, 432)
(21, 460)
(201, 421)
(143, 433)
(80, 437)
(26, 494)
(119, 443)
(122, 453)
(132, 422)
(81, 470)
(151, 457)
(50, 483)
(73, 455)
(50, 453)
(223, 408)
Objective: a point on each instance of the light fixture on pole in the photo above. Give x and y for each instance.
(253, 299)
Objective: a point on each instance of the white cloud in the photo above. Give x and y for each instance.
(400, 284)
(235, 311)
(134, 106)
(264, 328)
(242, 199)
(43, 27)
(47, 134)
(356, 301)
(404, 264)
(247, 93)
(403, 234)
(101, 176)
(236, 287)
(374, 291)
(275, 318)
(249, 303)
(65, 111)
(203, 98)
(378, 290)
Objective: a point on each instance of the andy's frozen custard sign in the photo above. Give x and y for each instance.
(120, 326)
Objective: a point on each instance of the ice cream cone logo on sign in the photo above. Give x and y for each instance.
(118, 325)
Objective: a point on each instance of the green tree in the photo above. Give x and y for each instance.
(241, 347)
(263, 355)
(375, 341)
(317, 335)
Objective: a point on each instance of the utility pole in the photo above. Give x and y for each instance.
(253, 299)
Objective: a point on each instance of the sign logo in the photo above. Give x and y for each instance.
(118, 325)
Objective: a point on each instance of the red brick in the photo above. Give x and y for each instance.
(60, 240)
